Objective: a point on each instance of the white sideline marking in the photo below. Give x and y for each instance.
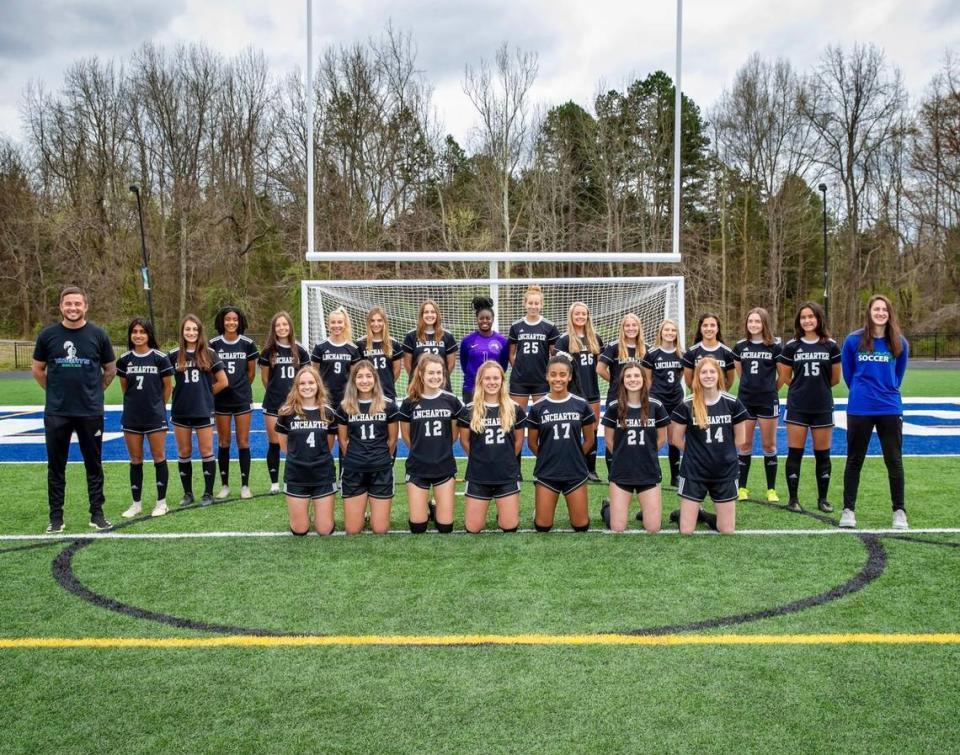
(340, 533)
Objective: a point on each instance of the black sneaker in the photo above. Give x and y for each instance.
(187, 499)
(206, 499)
(99, 522)
(605, 512)
(675, 516)
(795, 506)
(639, 516)
(705, 517)
(824, 505)
(54, 527)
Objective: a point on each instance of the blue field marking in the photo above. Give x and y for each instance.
(931, 427)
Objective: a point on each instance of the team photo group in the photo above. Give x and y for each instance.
(334, 417)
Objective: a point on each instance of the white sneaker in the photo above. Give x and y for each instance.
(245, 492)
(848, 519)
(224, 492)
(135, 509)
(900, 520)
(160, 509)
(274, 488)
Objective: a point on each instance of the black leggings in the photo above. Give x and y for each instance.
(890, 432)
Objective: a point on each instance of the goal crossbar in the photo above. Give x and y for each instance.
(490, 256)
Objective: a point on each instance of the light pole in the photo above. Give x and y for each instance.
(144, 270)
(826, 269)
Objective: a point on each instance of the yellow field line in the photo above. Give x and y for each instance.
(476, 639)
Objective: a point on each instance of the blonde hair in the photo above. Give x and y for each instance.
(293, 404)
(622, 354)
(658, 341)
(351, 396)
(700, 416)
(591, 341)
(387, 343)
(533, 288)
(766, 332)
(347, 327)
(422, 328)
(416, 388)
(508, 410)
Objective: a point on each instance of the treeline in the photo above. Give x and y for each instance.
(218, 147)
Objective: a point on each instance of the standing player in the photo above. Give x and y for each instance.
(874, 361)
(383, 352)
(428, 425)
(481, 345)
(334, 356)
(562, 428)
(532, 339)
(146, 379)
(583, 345)
(757, 355)
(635, 427)
(305, 425)
(367, 431)
(239, 356)
(74, 363)
(810, 365)
(198, 376)
(281, 359)
(630, 346)
(708, 427)
(663, 368)
(491, 433)
(708, 342)
(429, 337)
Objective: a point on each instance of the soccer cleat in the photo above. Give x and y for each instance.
(848, 520)
(605, 512)
(675, 516)
(707, 518)
(593, 477)
(639, 516)
(274, 488)
(187, 499)
(431, 511)
(900, 520)
(245, 492)
(772, 496)
(160, 509)
(794, 506)
(743, 494)
(99, 522)
(224, 492)
(133, 511)
(54, 527)
(206, 499)
(824, 505)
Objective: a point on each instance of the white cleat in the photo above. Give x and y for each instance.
(274, 488)
(133, 511)
(245, 492)
(224, 492)
(900, 520)
(848, 520)
(160, 509)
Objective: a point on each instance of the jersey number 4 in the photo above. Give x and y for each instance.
(717, 435)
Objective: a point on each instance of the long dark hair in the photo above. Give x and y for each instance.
(622, 396)
(698, 336)
(224, 311)
(822, 332)
(201, 354)
(144, 323)
(270, 346)
(891, 331)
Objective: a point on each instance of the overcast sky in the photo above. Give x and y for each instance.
(580, 44)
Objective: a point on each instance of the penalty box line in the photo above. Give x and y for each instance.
(474, 640)
(562, 531)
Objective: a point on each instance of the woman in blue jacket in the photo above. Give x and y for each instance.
(874, 360)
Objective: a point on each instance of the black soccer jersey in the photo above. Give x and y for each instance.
(75, 358)
(368, 449)
(532, 342)
(430, 345)
(334, 360)
(235, 355)
(666, 375)
(560, 437)
(491, 460)
(812, 366)
(721, 352)
(280, 375)
(431, 434)
(758, 371)
(308, 460)
(143, 406)
(382, 363)
(635, 460)
(585, 363)
(193, 387)
(610, 357)
(710, 454)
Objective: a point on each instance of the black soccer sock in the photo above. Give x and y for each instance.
(608, 460)
(509, 529)
(824, 467)
(446, 529)
(591, 457)
(794, 457)
(580, 527)
(209, 466)
(223, 460)
(163, 477)
(674, 455)
(273, 462)
(743, 460)
(605, 512)
(418, 528)
(770, 468)
(185, 466)
(245, 467)
(542, 527)
(136, 482)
